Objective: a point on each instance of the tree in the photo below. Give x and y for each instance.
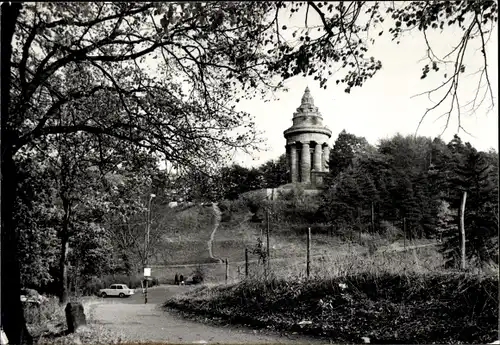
(90, 254)
(347, 29)
(347, 147)
(88, 56)
(342, 201)
(275, 172)
(473, 174)
(38, 242)
(73, 195)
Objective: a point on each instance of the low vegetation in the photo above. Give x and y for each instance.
(385, 307)
(47, 324)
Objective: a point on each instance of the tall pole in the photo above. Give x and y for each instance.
(308, 258)
(373, 218)
(404, 232)
(148, 221)
(462, 228)
(226, 271)
(246, 262)
(267, 240)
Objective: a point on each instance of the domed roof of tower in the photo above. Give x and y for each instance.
(307, 98)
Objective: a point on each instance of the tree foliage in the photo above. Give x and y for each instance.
(420, 183)
(125, 80)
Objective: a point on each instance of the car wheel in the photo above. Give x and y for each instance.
(103, 295)
(121, 295)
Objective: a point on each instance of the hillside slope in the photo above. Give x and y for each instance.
(185, 237)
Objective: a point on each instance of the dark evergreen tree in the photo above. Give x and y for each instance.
(473, 174)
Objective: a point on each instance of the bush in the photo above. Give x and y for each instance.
(199, 274)
(43, 313)
(387, 308)
(390, 232)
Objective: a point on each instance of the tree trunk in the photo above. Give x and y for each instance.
(63, 258)
(63, 270)
(462, 228)
(13, 321)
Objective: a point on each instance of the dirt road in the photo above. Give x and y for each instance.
(137, 321)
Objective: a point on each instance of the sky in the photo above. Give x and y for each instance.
(383, 106)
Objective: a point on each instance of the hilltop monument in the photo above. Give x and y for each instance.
(307, 149)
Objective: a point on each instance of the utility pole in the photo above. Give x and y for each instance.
(148, 224)
(267, 235)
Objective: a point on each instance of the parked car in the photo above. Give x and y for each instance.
(120, 290)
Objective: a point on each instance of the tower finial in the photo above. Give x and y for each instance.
(307, 98)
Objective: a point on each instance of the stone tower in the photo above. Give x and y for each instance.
(307, 148)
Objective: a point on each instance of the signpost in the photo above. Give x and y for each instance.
(147, 270)
(147, 274)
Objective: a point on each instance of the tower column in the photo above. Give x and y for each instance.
(293, 163)
(305, 163)
(318, 152)
(326, 158)
(318, 164)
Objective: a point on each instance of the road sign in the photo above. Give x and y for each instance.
(147, 272)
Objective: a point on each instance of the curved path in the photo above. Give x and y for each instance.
(210, 243)
(135, 321)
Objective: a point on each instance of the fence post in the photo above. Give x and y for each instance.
(404, 232)
(226, 269)
(308, 260)
(373, 218)
(246, 262)
(462, 229)
(267, 235)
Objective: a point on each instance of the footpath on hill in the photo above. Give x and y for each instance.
(135, 321)
(216, 223)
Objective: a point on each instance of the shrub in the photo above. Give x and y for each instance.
(387, 308)
(391, 232)
(199, 274)
(43, 313)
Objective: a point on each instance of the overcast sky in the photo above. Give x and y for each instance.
(384, 105)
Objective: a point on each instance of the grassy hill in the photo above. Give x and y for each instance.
(185, 236)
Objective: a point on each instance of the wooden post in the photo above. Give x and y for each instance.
(308, 259)
(359, 217)
(462, 228)
(267, 235)
(404, 232)
(246, 262)
(226, 269)
(373, 218)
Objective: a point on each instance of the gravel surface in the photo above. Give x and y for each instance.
(136, 321)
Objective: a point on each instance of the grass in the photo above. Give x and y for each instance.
(287, 247)
(402, 297)
(185, 237)
(47, 324)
